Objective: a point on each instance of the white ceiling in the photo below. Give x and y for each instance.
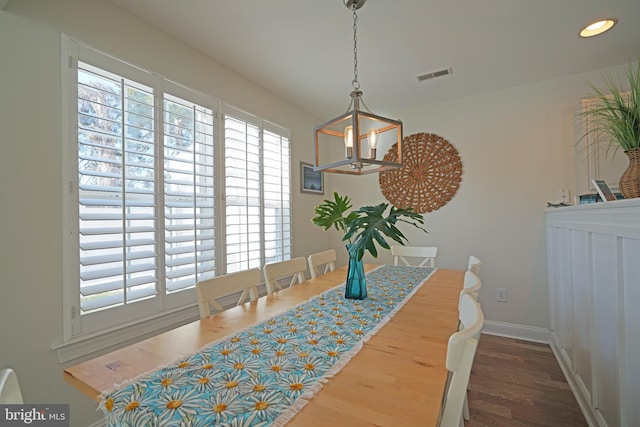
(302, 50)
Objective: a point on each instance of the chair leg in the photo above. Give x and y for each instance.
(465, 409)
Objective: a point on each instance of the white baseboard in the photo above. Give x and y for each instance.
(521, 332)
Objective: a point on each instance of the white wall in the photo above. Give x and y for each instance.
(513, 143)
(516, 147)
(30, 167)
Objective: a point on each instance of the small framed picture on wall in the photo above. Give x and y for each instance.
(310, 180)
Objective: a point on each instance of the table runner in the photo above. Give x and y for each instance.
(263, 375)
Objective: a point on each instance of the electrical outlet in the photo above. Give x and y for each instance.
(501, 295)
(565, 196)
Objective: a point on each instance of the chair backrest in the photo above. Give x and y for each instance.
(474, 264)
(9, 387)
(317, 261)
(426, 253)
(292, 270)
(461, 351)
(471, 286)
(209, 290)
(468, 314)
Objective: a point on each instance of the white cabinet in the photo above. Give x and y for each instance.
(594, 279)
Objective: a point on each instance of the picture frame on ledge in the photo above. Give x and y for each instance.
(311, 181)
(603, 190)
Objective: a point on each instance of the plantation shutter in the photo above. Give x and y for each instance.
(117, 198)
(188, 193)
(242, 191)
(143, 210)
(277, 194)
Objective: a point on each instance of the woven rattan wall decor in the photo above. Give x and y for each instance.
(430, 175)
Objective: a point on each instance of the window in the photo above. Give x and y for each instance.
(257, 191)
(276, 195)
(116, 196)
(143, 205)
(189, 198)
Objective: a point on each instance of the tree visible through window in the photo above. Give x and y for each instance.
(117, 200)
(143, 210)
(189, 194)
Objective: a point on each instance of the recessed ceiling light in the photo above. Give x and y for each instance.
(598, 27)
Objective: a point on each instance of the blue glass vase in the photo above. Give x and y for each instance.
(356, 286)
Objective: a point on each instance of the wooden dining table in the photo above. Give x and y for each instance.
(398, 378)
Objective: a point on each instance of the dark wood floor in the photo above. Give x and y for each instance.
(519, 383)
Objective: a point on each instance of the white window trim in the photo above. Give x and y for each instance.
(76, 346)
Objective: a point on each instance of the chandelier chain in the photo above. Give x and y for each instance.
(355, 83)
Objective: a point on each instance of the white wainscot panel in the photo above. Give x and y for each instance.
(606, 336)
(630, 363)
(565, 294)
(582, 309)
(553, 265)
(593, 260)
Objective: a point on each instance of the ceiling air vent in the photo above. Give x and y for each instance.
(434, 74)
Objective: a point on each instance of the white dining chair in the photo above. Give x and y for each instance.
(208, 291)
(474, 264)
(471, 286)
(322, 262)
(461, 351)
(292, 270)
(426, 255)
(9, 387)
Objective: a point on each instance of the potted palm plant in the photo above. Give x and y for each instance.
(616, 114)
(363, 228)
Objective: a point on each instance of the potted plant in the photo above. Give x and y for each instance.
(363, 228)
(616, 114)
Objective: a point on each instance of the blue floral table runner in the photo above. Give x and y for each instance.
(263, 375)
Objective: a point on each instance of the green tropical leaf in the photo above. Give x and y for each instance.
(332, 213)
(616, 112)
(367, 226)
(371, 226)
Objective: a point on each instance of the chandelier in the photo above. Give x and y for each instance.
(349, 143)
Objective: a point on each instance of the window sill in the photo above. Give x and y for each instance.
(110, 340)
(115, 338)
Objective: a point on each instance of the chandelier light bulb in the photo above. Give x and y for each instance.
(373, 142)
(348, 140)
(373, 138)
